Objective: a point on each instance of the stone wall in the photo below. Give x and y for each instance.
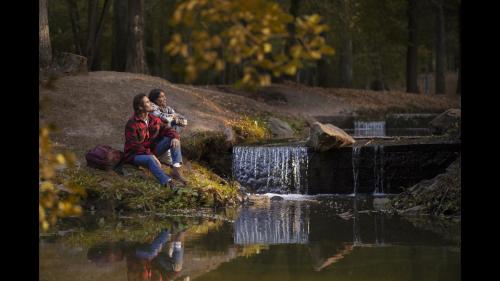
(390, 167)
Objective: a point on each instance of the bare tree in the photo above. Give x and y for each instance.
(440, 48)
(44, 47)
(412, 49)
(346, 55)
(74, 17)
(120, 34)
(95, 31)
(136, 61)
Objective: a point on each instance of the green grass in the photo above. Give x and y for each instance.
(140, 191)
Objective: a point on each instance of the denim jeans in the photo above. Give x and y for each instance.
(164, 145)
(152, 165)
(177, 128)
(150, 251)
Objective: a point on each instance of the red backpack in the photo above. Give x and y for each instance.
(103, 157)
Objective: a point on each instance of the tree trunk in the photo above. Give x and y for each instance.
(44, 48)
(92, 27)
(346, 56)
(162, 39)
(412, 49)
(149, 39)
(94, 33)
(136, 61)
(322, 69)
(440, 49)
(120, 34)
(459, 62)
(294, 11)
(323, 72)
(75, 24)
(346, 63)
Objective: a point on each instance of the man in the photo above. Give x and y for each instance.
(154, 261)
(172, 121)
(143, 142)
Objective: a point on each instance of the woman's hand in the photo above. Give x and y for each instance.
(175, 143)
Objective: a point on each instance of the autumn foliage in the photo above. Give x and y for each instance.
(249, 33)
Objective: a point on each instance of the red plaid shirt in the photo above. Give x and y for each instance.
(141, 138)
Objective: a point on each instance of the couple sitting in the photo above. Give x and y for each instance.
(153, 132)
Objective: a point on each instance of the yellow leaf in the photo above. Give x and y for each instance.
(315, 18)
(296, 51)
(46, 186)
(233, 41)
(184, 50)
(216, 41)
(267, 47)
(264, 81)
(47, 172)
(327, 50)
(60, 159)
(315, 54)
(219, 65)
(41, 213)
(247, 78)
(77, 209)
(290, 69)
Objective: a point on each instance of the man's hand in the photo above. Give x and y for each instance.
(175, 143)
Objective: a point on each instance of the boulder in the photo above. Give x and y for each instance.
(73, 64)
(323, 137)
(280, 129)
(448, 120)
(230, 135)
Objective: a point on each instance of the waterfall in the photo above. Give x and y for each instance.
(355, 167)
(356, 237)
(280, 224)
(276, 169)
(369, 129)
(379, 230)
(378, 168)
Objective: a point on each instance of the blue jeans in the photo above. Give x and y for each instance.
(152, 165)
(150, 251)
(177, 128)
(164, 145)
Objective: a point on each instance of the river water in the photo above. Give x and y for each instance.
(296, 238)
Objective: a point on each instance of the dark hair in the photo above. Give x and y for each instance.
(154, 94)
(106, 253)
(138, 101)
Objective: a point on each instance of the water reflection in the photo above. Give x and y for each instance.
(295, 222)
(282, 223)
(157, 260)
(327, 239)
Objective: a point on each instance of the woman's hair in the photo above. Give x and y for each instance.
(106, 253)
(138, 101)
(154, 94)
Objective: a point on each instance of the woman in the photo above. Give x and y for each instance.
(171, 120)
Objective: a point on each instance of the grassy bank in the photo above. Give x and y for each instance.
(138, 190)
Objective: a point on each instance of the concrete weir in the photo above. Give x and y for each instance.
(373, 169)
(378, 169)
